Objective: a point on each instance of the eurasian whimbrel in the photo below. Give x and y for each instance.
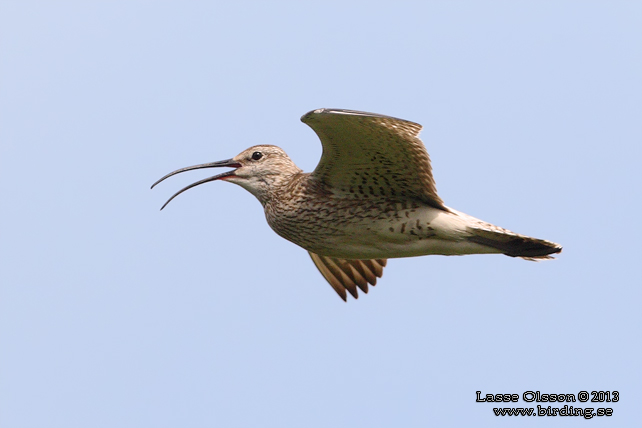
(372, 197)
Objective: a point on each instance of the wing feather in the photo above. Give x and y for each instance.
(370, 154)
(346, 275)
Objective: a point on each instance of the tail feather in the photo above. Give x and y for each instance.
(515, 245)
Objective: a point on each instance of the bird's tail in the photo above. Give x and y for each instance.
(513, 244)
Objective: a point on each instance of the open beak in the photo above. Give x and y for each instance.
(225, 163)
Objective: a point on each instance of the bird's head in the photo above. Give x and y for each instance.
(258, 170)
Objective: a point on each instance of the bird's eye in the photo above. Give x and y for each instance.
(257, 155)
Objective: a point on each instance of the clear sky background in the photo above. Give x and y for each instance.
(114, 314)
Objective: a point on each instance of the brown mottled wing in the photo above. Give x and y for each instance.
(369, 154)
(347, 275)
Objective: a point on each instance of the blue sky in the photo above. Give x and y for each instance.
(114, 314)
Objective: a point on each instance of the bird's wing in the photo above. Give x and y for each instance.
(345, 274)
(370, 154)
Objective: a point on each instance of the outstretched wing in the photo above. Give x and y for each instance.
(345, 274)
(370, 154)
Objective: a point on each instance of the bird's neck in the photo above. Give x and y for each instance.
(277, 187)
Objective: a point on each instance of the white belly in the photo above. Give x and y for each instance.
(407, 233)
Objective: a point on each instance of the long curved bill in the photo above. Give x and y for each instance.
(224, 163)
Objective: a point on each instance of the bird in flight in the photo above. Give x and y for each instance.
(371, 197)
